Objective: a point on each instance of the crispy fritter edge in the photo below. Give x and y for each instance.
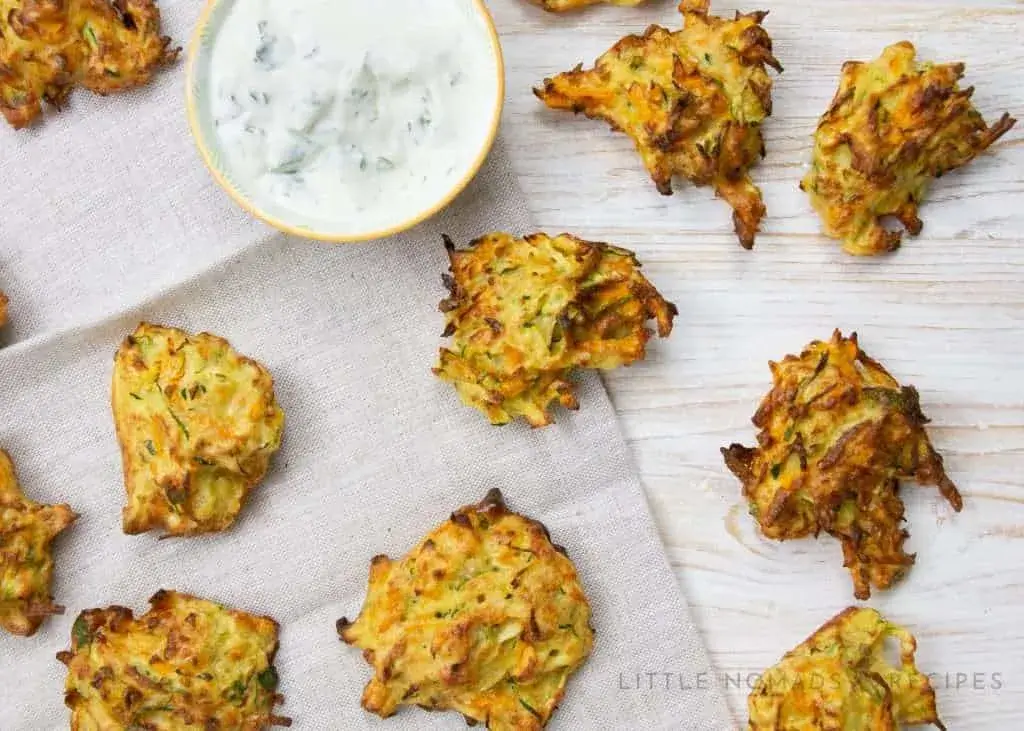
(493, 502)
(841, 617)
(50, 608)
(243, 358)
(66, 656)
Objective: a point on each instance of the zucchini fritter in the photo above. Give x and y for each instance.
(525, 312)
(185, 665)
(560, 6)
(26, 565)
(838, 680)
(693, 101)
(836, 433)
(893, 125)
(485, 617)
(47, 47)
(198, 424)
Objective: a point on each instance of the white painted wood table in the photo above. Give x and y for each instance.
(945, 313)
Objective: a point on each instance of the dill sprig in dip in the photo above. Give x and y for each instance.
(346, 111)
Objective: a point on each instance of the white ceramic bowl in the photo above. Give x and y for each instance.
(320, 227)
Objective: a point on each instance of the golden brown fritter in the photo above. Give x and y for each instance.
(47, 47)
(485, 617)
(524, 313)
(560, 6)
(869, 525)
(3, 309)
(26, 565)
(693, 101)
(185, 665)
(198, 424)
(839, 680)
(893, 125)
(836, 433)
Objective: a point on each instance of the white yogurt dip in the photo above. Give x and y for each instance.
(361, 112)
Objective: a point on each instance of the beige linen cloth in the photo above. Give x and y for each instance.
(109, 218)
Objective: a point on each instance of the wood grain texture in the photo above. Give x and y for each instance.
(945, 313)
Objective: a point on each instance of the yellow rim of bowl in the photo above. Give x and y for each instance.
(306, 233)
